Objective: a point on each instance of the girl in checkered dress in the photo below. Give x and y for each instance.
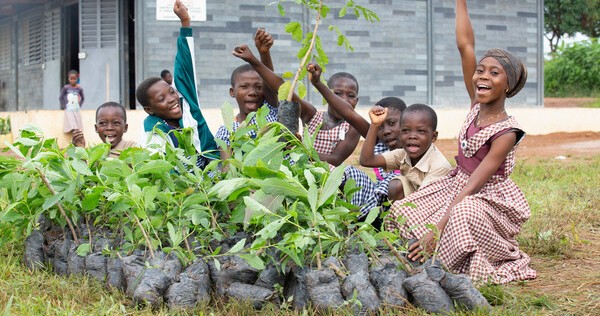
(477, 209)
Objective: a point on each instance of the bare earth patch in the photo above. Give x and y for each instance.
(567, 102)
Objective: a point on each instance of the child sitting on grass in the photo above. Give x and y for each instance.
(418, 160)
(173, 107)
(111, 124)
(249, 91)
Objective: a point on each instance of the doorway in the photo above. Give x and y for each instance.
(71, 40)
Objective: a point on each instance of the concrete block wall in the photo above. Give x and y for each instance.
(390, 57)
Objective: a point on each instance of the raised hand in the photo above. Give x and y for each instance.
(243, 52)
(377, 114)
(182, 13)
(78, 139)
(263, 41)
(314, 73)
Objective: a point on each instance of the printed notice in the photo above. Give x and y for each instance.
(196, 9)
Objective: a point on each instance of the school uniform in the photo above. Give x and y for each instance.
(184, 82)
(224, 134)
(479, 238)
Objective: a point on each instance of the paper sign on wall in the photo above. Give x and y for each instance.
(196, 9)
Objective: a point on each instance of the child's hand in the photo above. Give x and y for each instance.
(182, 13)
(314, 73)
(243, 52)
(263, 41)
(78, 139)
(377, 114)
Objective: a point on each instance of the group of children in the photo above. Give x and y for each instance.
(476, 208)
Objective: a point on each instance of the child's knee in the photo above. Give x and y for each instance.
(395, 190)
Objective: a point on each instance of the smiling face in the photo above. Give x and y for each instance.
(248, 92)
(389, 131)
(110, 125)
(490, 81)
(416, 134)
(164, 103)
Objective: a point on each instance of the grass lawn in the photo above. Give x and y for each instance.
(562, 237)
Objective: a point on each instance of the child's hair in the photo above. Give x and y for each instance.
(339, 75)
(514, 68)
(73, 72)
(239, 70)
(141, 93)
(418, 107)
(392, 102)
(164, 73)
(112, 105)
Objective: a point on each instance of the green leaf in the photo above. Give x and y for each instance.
(373, 213)
(280, 9)
(301, 90)
(51, 201)
(287, 75)
(83, 249)
(238, 246)
(289, 187)
(217, 264)
(253, 260)
(224, 188)
(272, 228)
(343, 12)
(227, 114)
(368, 238)
(332, 185)
(284, 90)
(155, 167)
(295, 29)
(91, 200)
(263, 152)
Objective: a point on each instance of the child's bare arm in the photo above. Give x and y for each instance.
(264, 41)
(367, 157)
(465, 41)
(343, 108)
(343, 149)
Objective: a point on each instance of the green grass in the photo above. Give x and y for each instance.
(595, 104)
(563, 195)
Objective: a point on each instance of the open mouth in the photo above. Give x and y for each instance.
(110, 138)
(412, 148)
(483, 88)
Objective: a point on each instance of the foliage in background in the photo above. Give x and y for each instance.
(574, 71)
(567, 17)
(5, 126)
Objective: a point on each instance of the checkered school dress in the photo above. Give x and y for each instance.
(479, 238)
(325, 143)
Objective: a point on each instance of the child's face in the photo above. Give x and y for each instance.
(164, 102)
(389, 131)
(248, 91)
(416, 134)
(110, 125)
(346, 89)
(72, 79)
(490, 80)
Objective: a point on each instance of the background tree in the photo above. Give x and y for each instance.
(567, 17)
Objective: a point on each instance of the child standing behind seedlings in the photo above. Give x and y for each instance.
(477, 210)
(111, 124)
(71, 99)
(249, 91)
(336, 139)
(419, 160)
(172, 107)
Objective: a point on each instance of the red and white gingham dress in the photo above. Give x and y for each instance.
(479, 238)
(327, 139)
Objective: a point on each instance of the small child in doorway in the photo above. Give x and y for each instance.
(111, 124)
(419, 160)
(249, 91)
(176, 106)
(71, 99)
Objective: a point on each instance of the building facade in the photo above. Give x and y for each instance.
(115, 44)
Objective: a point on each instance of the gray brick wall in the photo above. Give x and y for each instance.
(390, 57)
